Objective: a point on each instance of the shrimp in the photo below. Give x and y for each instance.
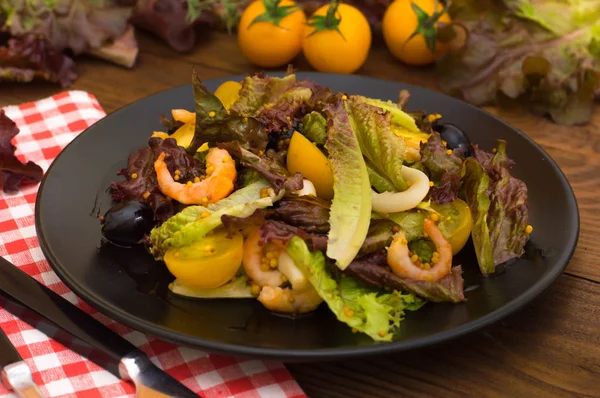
(254, 266)
(301, 298)
(402, 265)
(220, 169)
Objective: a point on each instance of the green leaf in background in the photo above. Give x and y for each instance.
(537, 53)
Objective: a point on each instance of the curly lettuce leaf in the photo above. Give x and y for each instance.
(383, 150)
(77, 25)
(273, 101)
(194, 222)
(368, 310)
(13, 173)
(32, 57)
(215, 125)
(442, 168)
(509, 211)
(350, 211)
(541, 54)
(499, 207)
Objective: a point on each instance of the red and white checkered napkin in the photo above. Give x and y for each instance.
(46, 127)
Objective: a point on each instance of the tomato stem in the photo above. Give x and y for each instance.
(330, 21)
(426, 24)
(274, 13)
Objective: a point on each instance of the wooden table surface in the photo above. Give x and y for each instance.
(549, 349)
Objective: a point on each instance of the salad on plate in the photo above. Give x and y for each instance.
(287, 192)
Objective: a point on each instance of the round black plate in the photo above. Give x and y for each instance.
(130, 287)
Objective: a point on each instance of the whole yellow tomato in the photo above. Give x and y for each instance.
(410, 30)
(269, 33)
(337, 39)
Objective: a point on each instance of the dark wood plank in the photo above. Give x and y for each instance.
(549, 349)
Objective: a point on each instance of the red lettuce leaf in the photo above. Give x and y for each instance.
(508, 215)
(372, 271)
(271, 169)
(307, 212)
(214, 124)
(13, 173)
(141, 164)
(499, 207)
(33, 57)
(442, 168)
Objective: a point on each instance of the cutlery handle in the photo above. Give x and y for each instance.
(67, 316)
(30, 392)
(17, 377)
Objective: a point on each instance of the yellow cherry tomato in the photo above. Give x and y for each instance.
(228, 92)
(455, 223)
(275, 38)
(305, 158)
(337, 46)
(207, 263)
(401, 20)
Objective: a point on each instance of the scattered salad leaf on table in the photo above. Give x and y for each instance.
(13, 173)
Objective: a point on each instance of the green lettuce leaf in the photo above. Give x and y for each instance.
(315, 127)
(541, 54)
(383, 150)
(475, 184)
(188, 225)
(350, 211)
(368, 310)
(379, 182)
(398, 116)
(411, 223)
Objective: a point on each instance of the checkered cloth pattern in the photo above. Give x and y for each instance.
(46, 127)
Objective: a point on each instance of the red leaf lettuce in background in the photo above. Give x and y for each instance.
(542, 54)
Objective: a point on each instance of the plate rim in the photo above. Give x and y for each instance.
(295, 355)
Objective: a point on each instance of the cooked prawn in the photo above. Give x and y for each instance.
(301, 297)
(253, 263)
(402, 265)
(221, 174)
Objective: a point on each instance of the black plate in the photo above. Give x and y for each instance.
(130, 287)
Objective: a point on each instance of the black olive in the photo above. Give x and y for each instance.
(126, 223)
(455, 138)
